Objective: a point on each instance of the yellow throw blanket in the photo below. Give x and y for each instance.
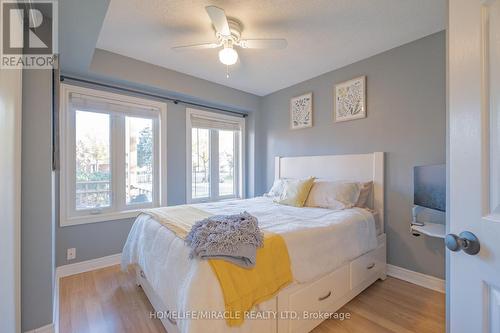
(242, 288)
(178, 219)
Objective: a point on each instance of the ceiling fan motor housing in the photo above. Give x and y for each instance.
(235, 27)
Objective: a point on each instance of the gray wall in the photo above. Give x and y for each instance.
(125, 69)
(37, 218)
(105, 238)
(406, 118)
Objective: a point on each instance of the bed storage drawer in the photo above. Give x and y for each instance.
(322, 292)
(314, 298)
(367, 266)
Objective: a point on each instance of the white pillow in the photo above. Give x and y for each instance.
(333, 195)
(277, 188)
(365, 190)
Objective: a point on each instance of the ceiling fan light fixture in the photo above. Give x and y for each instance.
(228, 56)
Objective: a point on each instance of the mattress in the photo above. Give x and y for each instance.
(318, 242)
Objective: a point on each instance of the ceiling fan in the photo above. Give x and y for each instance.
(228, 35)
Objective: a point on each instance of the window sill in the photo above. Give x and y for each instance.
(77, 220)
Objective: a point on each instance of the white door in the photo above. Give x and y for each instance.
(474, 163)
(10, 199)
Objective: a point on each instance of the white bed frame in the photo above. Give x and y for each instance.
(329, 293)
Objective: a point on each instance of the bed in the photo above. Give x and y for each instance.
(334, 255)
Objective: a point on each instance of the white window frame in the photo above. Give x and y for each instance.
(214, 160)
(118, 209)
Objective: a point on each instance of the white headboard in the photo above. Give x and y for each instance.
(359, 167)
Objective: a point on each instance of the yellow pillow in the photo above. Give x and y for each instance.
(295, 192)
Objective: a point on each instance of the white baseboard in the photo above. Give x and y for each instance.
(45, 329)
(423, 280)
(88, 265)
(72, 269)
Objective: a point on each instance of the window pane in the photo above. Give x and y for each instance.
(200, 163)
(226, 162)
(93, 169)
(139, 159)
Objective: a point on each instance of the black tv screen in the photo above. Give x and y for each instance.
(430, 186)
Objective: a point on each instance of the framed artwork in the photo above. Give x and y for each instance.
(301, 111)
(350, 100)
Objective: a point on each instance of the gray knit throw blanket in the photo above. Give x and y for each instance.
(234, 238)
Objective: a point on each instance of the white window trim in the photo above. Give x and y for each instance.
(241, 155)
(65, 192)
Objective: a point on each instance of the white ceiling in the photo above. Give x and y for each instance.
(322, 35)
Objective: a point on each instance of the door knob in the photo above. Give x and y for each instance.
(466, 241)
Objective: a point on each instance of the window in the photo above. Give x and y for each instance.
(139, 150)
(93, 173)
(112, 163)
(200, 163)
(215, 156)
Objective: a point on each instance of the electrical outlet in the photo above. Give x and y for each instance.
(71, 254)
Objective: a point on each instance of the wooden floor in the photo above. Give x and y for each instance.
(108, 300)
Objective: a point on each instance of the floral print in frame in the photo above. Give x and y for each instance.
(301, 111)
(350, 99)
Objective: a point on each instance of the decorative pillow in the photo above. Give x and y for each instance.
(333, 195)
(277, 188)
(295, 192)
(365, 189)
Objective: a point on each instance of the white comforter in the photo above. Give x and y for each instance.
(318, 241)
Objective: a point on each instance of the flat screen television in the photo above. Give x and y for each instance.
(430, 186)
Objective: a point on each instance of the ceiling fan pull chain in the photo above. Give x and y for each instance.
(227, 71)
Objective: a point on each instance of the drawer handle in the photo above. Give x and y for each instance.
(322, 298)
(370, 266)
(172, 321)
(142, 274)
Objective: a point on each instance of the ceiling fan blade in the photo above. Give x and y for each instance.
(201, 46)
(219, 20)
(263, 43)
